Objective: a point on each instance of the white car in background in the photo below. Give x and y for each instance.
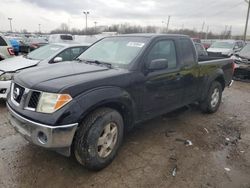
(49, 54)
(6, 50)
(60, 38)
(225, 47)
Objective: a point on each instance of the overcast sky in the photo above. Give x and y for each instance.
(27, 14)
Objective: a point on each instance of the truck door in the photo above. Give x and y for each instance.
(163, 88)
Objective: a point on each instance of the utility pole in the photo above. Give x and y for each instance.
(248, 10)
(95, 25)
(86, 16)
(39, 28)
(225, 32)
(168, 22)
(10, 19)
(207, 31)
(230, 32)
(202, 28)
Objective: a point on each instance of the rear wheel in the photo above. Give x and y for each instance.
(213, 98)
(98, 139)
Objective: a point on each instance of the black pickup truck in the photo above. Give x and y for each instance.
(85, 107)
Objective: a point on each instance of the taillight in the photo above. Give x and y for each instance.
(11, 51)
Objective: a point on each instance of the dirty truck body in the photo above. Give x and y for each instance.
(84, 108)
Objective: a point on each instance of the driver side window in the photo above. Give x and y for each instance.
(164, 50)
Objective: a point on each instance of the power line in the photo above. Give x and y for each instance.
(198, 13)
(224, 10)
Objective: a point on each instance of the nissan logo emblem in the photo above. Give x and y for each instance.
(16, 93)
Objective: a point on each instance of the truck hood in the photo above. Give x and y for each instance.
(219, 50)
(16, 63)
(64, 76)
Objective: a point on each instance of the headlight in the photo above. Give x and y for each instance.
(51, 102)
(235, 58)
(6, 76)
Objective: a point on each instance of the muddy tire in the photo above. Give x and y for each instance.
(98, 139)
(213, 98)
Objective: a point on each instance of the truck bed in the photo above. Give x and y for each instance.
(210, 65)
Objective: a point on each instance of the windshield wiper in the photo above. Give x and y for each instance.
(109, 65)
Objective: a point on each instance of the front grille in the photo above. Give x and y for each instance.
(34, 99)
(17, 93)
(24, 98)
(215, 54)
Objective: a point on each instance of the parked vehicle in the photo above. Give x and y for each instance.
(50, 54)
(24, 47)
(196, 40)
(225, 47)
(242, 60)
(35, 43)
(115, 84)
(61, 38)
(200, 50)
(207, 42)
(6, 50)
(15, 45)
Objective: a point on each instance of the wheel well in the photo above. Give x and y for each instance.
(221, 80)
(126, 114)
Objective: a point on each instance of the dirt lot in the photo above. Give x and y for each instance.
(219, 156)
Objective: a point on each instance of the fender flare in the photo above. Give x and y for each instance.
(109, 96)
(217, 74)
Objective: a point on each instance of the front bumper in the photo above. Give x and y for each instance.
(4, 89)
(58, 138)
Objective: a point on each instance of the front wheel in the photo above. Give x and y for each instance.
(98, 139)
(213, 98)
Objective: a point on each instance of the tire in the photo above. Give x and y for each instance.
(213, 99)
(92, 144)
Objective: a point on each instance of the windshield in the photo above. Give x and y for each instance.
(44, 52)
(245, 51)
(226, 45)
(118, 51)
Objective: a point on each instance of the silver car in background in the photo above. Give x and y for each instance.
(225, 47)
(49, 54)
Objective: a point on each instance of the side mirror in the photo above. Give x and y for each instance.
(57, 59)
(158, 64)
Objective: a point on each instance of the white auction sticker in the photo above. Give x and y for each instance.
(136, 44)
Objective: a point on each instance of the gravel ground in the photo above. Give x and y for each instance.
(218, 157)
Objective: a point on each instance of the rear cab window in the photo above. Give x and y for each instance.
(188, 52)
